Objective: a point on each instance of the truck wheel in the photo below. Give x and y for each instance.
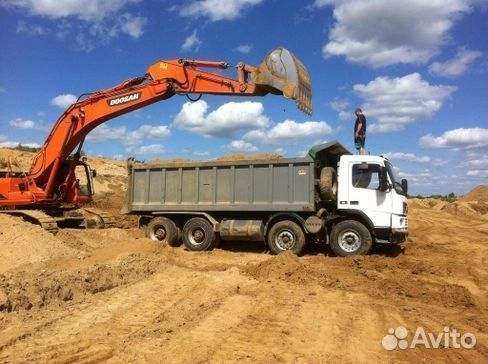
(350, 237)
(198, 234)
(328, 184)
(286, 235)
(164, 230)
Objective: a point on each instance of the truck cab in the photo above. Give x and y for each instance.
(364, 199)
(369, 188)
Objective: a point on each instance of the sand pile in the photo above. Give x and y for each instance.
(21, 161)
(26, 289)
(467, 209)
(423, 203)
(284, 266)
(479, 193)
(288, 267)
(23, 243)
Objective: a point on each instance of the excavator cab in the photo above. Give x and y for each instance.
(84, 180)
(282, 72)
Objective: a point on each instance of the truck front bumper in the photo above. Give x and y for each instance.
(399, 236)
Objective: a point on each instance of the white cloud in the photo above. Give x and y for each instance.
(411, 157)
(341, 106)
(457, 139)
(477, 173)
(201, 154)
(240, 146)
(407, 157)
(84, 43)
(63, 101)
(222, 122)
(381, 32)
(289, 132)
(126, 137)
(243, 48)
(22, 123)
(457, 65)
(395, 102)
(475, 159)
(88, 22)
(87, 10)
(30, 29)
(216, 10)
(281, 151)
(192, 42)
(416, 176)
(149, 149)
(132, 25)
(6, 143)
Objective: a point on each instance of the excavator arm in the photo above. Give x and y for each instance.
(52, 179)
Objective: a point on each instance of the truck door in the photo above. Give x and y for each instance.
(365, 194)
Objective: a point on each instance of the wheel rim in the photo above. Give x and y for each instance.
(349, 241)
(196, 236)
(160, 233)
(285, 240)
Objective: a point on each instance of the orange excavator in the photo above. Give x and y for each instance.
(60, 180)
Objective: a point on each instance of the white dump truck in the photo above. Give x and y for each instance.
(349, 202)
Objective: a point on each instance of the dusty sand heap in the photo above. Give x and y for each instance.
(479, 193)
(23, 243)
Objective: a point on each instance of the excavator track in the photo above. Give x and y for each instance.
(38, 217)
(98, 219)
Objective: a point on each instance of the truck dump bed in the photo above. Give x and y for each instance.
(262, 185)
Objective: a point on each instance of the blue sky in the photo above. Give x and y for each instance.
(417, 68)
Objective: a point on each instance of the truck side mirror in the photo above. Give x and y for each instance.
(94, 173)
(383, 179)
(404, 186)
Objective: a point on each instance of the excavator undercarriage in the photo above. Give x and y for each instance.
(54, 219)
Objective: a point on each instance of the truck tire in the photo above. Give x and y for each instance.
(198, 235)
(350, 237)
(164, 230)
(286, 235)
(328, 184)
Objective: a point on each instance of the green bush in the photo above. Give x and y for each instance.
(24, 148)
(449, 198)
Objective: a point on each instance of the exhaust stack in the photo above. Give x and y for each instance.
(283, 73)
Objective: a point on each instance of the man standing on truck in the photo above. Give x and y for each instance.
(360, 131)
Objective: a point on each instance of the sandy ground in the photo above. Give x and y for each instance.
(114, 296)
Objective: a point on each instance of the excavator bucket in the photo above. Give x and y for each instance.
(283, 73)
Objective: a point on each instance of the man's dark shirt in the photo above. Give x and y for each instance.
(361, 119)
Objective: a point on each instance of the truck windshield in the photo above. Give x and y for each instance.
(395, 179)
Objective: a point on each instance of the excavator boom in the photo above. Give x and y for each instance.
(51, 181)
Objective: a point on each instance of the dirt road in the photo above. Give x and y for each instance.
(115, 296)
